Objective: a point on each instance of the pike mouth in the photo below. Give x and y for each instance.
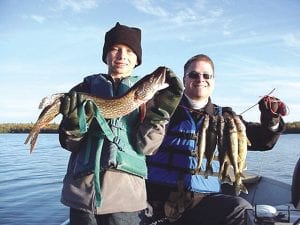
(159, 80)
(155, 84)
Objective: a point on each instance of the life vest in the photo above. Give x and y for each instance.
(108, 143)
(176, 159)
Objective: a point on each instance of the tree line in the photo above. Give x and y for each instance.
(291, 128)
(26, 128)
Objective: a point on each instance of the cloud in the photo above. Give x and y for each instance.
(77, 5)
(37, 18)
(253, 67)
(184, 16)
(182, 21)
(292, 40)
(147, 6)
(179, 13)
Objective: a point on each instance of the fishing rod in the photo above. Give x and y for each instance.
(257, 102)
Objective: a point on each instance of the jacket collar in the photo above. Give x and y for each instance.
(208, 108)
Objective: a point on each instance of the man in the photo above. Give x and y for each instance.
(175, 188)
(104, 183)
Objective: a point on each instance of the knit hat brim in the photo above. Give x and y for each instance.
(121, 34)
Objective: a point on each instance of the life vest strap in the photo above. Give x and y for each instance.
(174, 150)
(179, 134)
(180, 169)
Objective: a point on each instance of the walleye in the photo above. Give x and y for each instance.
(234, 156)
(211, 143)
(242, 142)
(139, 93)
(233, 141)
(233, 149)
(242, 153)
(223, 146)
(228, 133)
(202, 142)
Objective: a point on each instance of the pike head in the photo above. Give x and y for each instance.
(150, 84)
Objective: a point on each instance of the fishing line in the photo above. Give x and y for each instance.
(257, 171)
(259, 165)
(257, 102)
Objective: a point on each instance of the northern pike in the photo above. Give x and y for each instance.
(202, 141)
(141, 92)
(211, 143)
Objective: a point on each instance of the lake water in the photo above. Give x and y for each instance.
(30, 185)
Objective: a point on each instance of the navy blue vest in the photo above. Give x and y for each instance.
(177, 160)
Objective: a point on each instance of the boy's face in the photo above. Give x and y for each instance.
(121, 61)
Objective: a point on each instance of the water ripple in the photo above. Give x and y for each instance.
(30, 184)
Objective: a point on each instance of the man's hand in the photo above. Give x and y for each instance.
(271, 109)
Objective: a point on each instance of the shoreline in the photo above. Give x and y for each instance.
(291, 128)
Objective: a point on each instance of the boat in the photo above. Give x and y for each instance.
(273, 201)
(67, 222)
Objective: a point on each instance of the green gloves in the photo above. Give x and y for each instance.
(69, 110)
(165, 101)
(159, 109)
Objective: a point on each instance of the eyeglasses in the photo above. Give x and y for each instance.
(195, 75)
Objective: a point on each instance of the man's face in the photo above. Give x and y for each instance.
(121, 61)
(197, 87)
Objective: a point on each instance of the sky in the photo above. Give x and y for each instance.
(47, 47)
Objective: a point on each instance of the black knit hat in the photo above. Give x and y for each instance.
(121, 34)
